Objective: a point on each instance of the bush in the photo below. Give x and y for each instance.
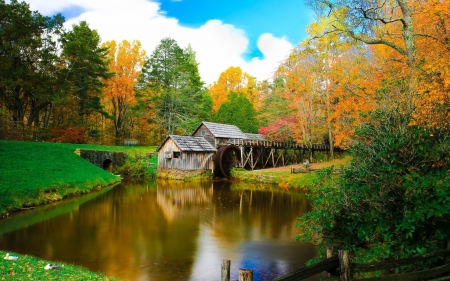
(393, 200)
(139, 167)
(69, 135)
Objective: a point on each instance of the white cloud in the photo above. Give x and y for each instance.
(275, 50)
(217, 45)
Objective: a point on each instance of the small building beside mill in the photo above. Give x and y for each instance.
(186, 153)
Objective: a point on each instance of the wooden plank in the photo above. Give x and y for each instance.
(445, 278)
(386, 265)
(306, 272)
(413, 276)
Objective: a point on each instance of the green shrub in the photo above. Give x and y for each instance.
(393, 200)
(139, 167)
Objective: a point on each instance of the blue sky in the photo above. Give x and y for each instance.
(285, 18)
(254, 35)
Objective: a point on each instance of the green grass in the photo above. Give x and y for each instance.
(31, 268)
(34, 173)
(283, 177)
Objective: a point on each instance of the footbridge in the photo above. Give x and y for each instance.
(260, 154)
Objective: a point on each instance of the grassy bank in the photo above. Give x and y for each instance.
(283, 177)
(35, 173)
(31, 268)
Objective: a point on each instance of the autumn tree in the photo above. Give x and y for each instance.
(170, 85)
(301, 86)
(125, 61)
(234, 80)
(408, 37)
(373, 22)
(391, 202)
(276, 116)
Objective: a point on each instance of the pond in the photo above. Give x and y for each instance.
(166, 230)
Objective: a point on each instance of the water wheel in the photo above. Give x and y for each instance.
(226, 158)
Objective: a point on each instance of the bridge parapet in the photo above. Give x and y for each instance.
(103, 159)
(275, 144)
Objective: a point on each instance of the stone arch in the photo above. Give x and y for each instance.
(108, 165)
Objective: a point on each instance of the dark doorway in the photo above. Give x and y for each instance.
(108, 165)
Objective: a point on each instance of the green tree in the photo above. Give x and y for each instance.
(392, 202)
(87, 67)
(238, 110)
(170, 85)
(28, 64)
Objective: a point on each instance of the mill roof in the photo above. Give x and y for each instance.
(255, 136)
(189, 143)
(223, 130)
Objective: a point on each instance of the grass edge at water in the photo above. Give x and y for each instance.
(35, 173)
(28, 267)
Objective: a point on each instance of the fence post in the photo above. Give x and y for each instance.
(447, 259)
(225, 276)
(329, 255)
(245, 274)
(344, 265)
(329, 252)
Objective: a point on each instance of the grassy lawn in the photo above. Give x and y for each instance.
(34, 173)
(283, 177)
(30, 268)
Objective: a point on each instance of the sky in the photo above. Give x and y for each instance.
(255, 35)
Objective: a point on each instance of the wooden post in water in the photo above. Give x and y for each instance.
(329, 255)
(225, 276)
(344, 265)
(245, 274)
(329, 252)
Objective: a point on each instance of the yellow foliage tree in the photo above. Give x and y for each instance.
(126, 61)
(234, 80)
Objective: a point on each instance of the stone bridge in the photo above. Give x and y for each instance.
(103, 159)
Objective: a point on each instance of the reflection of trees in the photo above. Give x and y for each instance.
(135, 232)
(175, 196)
(256, 212)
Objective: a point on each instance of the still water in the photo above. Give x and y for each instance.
(165, 230)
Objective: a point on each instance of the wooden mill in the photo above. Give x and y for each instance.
(220, 147)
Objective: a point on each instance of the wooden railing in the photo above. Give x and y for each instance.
(276, 144)
(345, 269)
(340, 267)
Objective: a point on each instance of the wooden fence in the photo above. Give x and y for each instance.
(340, 267)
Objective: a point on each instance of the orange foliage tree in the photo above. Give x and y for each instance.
(411, 47)
(126, 60)
(234, 80)
(325, 80)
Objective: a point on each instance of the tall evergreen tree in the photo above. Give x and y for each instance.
(87, 65)
(170, 84)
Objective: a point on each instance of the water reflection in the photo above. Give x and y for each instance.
(170, 231)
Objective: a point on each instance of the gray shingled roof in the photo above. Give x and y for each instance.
(224, 130)
(189, 143)
(255, 136)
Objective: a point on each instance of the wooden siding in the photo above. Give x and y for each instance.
(202, 131)
(187, 160)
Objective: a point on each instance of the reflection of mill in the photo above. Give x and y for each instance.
(172, 197)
